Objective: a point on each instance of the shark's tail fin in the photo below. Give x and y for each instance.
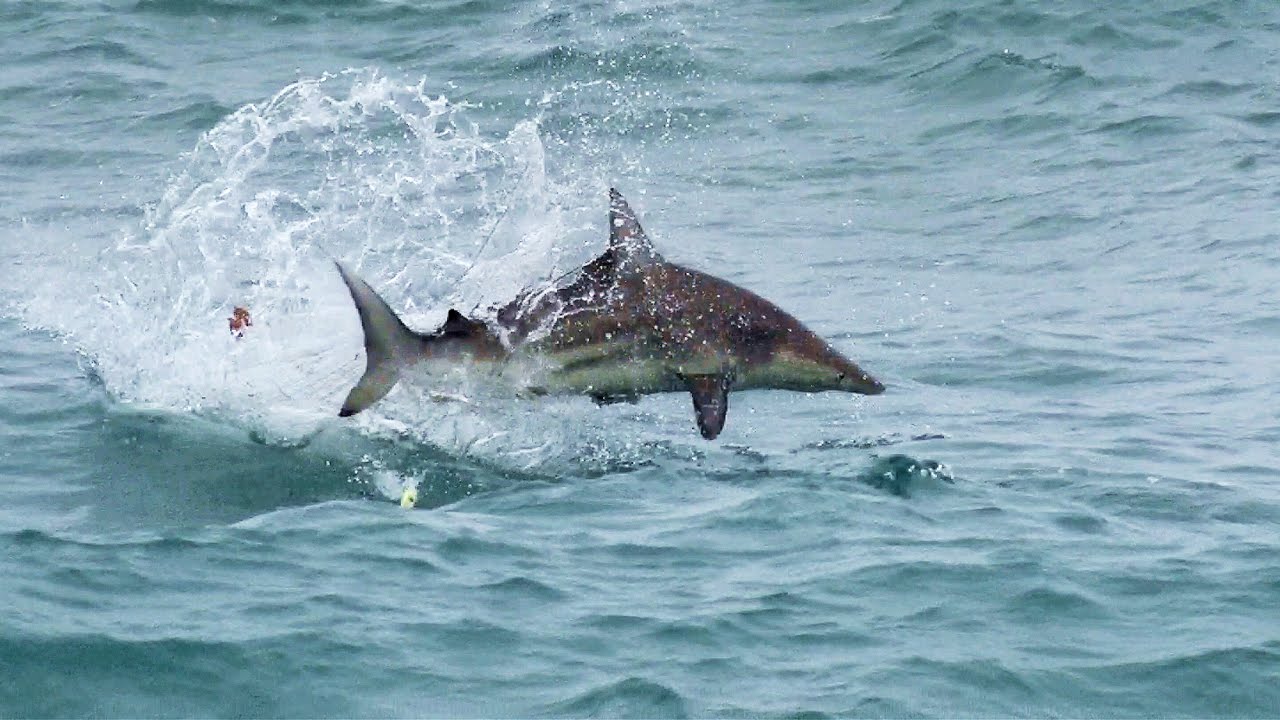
(389, 345)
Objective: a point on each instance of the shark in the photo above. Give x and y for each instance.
(626, 324)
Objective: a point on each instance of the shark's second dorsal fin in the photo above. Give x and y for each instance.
(459, 325)
(628, 244)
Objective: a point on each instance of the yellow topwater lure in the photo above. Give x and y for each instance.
(409, 498)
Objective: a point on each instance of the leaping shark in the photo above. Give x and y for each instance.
(629, 324)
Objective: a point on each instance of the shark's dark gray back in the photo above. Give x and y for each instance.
(631, 289)
(600, 288)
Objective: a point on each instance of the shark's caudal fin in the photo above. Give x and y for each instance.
(389, 345)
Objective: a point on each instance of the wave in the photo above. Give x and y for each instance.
(629, 697)
(972, 76)
(183, 676)
(97, 51)
(299, 12)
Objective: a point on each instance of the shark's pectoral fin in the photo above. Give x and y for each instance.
(710, 402)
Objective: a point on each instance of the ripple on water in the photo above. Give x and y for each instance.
(1227, 682)
(175, 675)
(1053, 604)
(223, 9)
(1084, 523)
(629, 697)
(201, 114)
(522, 589)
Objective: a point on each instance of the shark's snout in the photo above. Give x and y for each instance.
(865, 384)
(854, 379)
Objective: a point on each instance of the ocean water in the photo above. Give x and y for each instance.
(1051, 228)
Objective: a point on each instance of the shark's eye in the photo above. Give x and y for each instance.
(840, 377)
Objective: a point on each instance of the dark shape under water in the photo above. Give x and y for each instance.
(898, 474)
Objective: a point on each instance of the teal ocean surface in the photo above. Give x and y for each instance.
(1051, 228)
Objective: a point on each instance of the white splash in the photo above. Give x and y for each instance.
(381, 174)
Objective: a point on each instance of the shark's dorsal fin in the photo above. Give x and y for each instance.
(628, 244)
(710, 402)
(459, 325)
